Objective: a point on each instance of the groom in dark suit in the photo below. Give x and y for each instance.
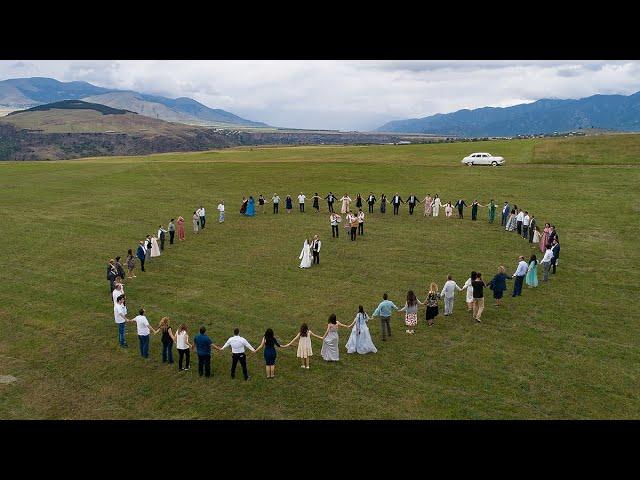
(315, 249)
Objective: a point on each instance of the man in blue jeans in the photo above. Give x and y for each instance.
(519, 275)
(120, 314)
(203, 348)
(144, 329)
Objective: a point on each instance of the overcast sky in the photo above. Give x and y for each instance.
(345, 95)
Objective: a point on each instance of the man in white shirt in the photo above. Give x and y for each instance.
(144, 329)
(449, 292)
(221, 210)
(519, 220)
(546, 263)
(519, 275)
(301, 199)
(360, 222)
(161, 236)
(238, 345)
(202, 216)
(117, 291)
(525, 225)
(120, 315)
(334, 218)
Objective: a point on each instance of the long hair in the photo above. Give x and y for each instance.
(411, 298)
(473, 275)
(360, 309)
(268, 334)
(164, 323)
(533, 259)
(304, 330)
(433, 287)
(182, 328)
(333, 319)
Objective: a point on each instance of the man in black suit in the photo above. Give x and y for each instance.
(412, 200)
(315, 249)
(396, 200)
(505, 214)
(371, 200)
(460, 204)
(330, 199)
(532, 227)
(556, 255)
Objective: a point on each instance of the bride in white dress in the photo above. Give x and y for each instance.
(305, 255)
(155, 250)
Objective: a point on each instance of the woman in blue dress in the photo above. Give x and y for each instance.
(251, 207)
(360, 338)
(288, 205)
(532, 272)
(270, 343)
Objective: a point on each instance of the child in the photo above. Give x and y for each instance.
(448, 209)
(304, 344)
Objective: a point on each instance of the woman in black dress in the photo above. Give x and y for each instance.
(243, 208)
(316, 202)
(383, 203)
(288, 204)
(167, 340)
(432, 303)
(261, 202)
(358, 201)
(269, 342)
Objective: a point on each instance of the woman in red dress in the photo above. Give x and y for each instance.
(181, 228)
(545, 237)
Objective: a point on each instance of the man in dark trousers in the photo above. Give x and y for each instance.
(412, 201)
(505, 214)
(396, 200)
(203, 349)
(315, 249)
(141, 253)
(519, 275)
(203, 218)
(172, 231)
(556, 255)
(371, 201)
(461, 204)
(238, 345)
(532, 227)
(330, 199)
(161, 236)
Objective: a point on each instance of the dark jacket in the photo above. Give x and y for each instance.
(499, 282)
(140, 252)
(556, 252)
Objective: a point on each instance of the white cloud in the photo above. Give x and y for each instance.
(346, 95)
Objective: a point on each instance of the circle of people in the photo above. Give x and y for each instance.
(513, 219)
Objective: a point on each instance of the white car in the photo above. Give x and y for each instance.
(482, 158)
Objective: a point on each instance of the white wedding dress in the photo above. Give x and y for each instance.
(305, 255)
(155, 250)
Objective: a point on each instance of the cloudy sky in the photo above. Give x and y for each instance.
(345, 95)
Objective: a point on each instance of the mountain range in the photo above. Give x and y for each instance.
(610, 112)
(30, 92)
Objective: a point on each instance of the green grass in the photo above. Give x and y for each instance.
(568, 349)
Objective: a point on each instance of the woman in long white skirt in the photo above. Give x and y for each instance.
(360, 338)
(155, 250)
(305, 255)
(469, 288)
(436, 205)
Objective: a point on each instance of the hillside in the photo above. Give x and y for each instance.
(611, 112)
(29, 92)
(74, 129)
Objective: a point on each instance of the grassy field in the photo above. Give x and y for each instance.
(568, 349)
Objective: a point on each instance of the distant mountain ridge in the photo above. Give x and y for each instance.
(29, 92)
(611, 112)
